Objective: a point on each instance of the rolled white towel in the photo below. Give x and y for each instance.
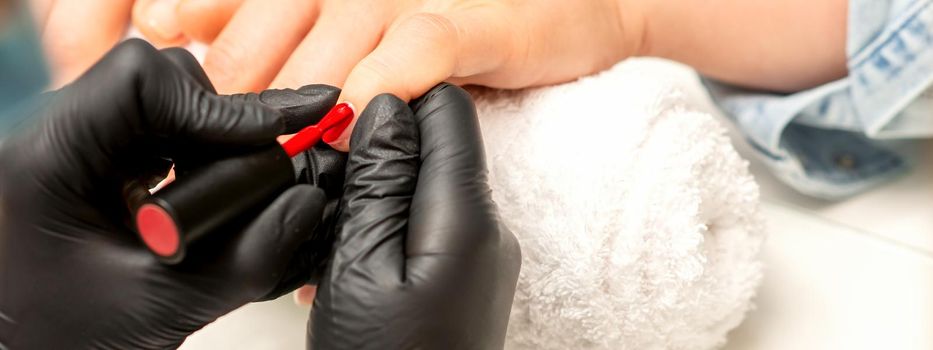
(638, 221)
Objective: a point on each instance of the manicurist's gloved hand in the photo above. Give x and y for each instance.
(421, 260)
(73, 275)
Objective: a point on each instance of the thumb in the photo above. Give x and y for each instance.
(266, 250)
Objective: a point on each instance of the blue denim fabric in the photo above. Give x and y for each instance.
(827, 141)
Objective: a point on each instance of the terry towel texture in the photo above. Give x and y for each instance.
(638, 221)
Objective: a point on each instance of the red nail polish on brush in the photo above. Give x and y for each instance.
(217, 193)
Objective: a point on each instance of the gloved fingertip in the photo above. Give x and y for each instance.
(331, 93)
(303, 107)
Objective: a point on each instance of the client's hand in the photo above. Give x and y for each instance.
(421, 260)
(406, 47)
(73, 275)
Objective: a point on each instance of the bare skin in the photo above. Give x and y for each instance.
(777, 45)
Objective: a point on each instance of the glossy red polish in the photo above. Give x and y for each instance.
(331, 126)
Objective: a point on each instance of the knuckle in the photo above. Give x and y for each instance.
(225, 55)
(376, 70)
(432, 27)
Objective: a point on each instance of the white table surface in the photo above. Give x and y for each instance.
(854, 274)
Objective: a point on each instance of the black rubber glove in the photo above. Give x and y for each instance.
(73, 275)
(421, 260)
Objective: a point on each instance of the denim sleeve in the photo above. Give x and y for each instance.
(824, 141)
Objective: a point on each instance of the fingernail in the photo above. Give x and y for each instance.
(342, 142)
(162, 19)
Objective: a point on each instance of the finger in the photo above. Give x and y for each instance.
(453, 215)
(40, 11)
(79, 32)
(158, 21)
(423, 50)
(269, 244)
(202, 20)
(338, 41)
(381, 176)
(255, 44)
(305, 295)
(184, 60)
